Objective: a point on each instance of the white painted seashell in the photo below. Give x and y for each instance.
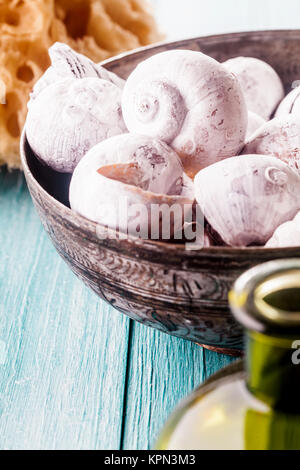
(254, 123)
(246, 198)
(49, 77)
(290, 104)
(118, 181)
(279, 137)
(286, 235)
(69, 117)
(262, 86)
(189, 101)
(66, 63)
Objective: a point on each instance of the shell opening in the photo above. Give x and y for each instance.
(127, 173)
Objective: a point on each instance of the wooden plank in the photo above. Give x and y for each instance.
(214, 362)
(63, 353)
(52, 340)
(162, 370)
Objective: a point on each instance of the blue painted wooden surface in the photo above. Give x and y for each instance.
(74, 373)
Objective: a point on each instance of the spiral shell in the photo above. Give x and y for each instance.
(132, 170)
(280, 138)
(246, 198)
(286, 235)
(290, 104)
(189, 101)
(69, 117)
(261, 85)
(66, 63)
(254, 123)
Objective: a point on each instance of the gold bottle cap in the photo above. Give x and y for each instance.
(267, 298)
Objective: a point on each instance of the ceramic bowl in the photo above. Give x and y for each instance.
(162, 285)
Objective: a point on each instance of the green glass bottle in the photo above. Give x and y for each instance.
(255, 404)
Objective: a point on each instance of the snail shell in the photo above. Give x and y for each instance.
(286, 235)
(189, 101)
(246, 198)
(279, 137)
(130, 169)
(262, 86)
(69, 117)
(254, 123)
(66, 63)
(290, 104)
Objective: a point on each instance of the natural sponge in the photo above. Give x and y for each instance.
(96, 28)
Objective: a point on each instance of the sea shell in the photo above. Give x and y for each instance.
(189, 101)
(66, 63)
(254, 123)
(69, 117)
(279, 137)
(290, 104)
(262, 86)
(119, 181)
(246, 198)
(286, 235)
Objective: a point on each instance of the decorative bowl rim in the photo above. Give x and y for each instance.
(294, 32)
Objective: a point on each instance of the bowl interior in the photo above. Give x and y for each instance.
(281, 49)
(54, 183)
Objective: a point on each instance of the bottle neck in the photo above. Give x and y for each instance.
(273, 370)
